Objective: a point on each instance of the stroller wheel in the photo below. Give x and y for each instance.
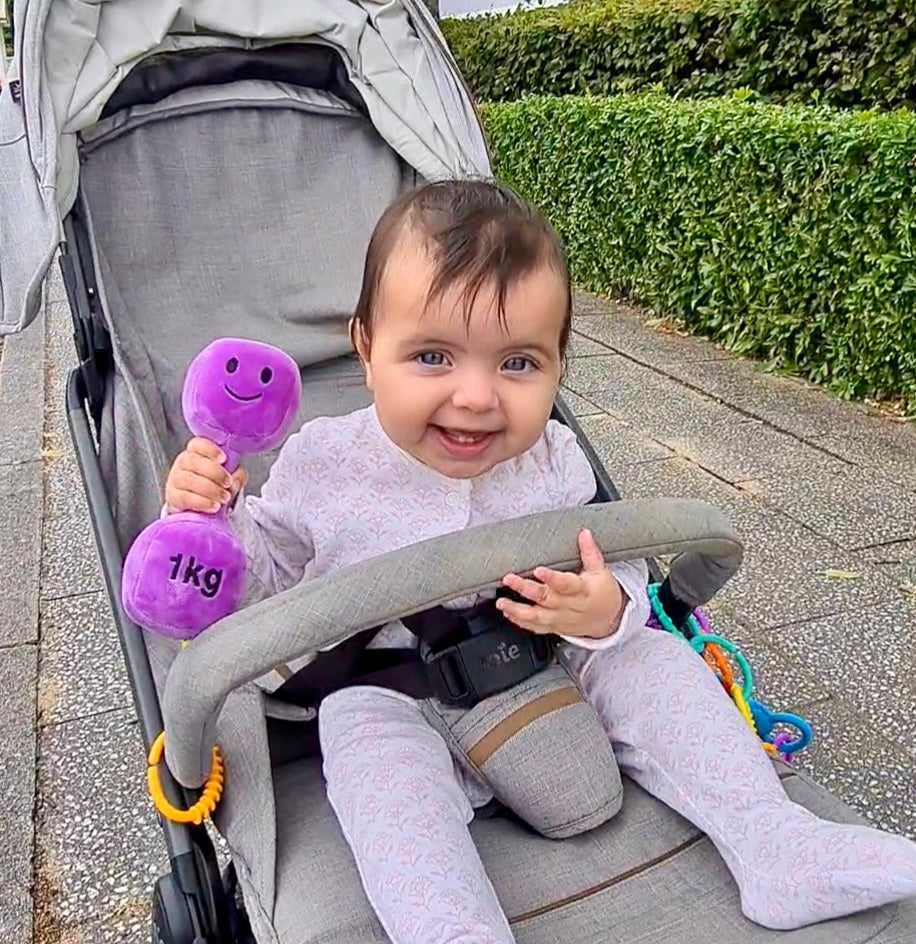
(171, 917)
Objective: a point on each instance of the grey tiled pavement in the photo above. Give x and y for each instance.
(821, 491)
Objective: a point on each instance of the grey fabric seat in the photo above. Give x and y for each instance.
(647, 876)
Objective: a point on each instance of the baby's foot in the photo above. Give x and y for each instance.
(810, 870)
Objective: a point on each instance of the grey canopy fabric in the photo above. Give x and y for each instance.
(72, 55)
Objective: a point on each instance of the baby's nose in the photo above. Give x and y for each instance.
(476, 391)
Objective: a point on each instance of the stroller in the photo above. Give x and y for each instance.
(210, 169)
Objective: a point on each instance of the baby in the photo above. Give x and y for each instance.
(462, 326)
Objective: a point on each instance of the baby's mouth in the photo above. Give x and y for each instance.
(463, 436)
(464, 443)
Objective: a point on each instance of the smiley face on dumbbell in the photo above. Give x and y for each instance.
(240, 393)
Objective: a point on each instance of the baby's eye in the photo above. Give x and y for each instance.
(519, 364)
(431, 359)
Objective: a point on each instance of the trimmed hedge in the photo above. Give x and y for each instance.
(787, 233)
(839, 52)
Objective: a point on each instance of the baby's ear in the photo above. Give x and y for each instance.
(361, 345)
(358, 339)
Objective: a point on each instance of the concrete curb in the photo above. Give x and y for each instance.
(22, 395)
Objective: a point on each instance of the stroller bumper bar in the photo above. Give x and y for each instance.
(322, 613)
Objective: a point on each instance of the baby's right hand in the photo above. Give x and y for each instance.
(197, 480)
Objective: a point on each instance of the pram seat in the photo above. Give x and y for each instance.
(237, 200)
(646, 876)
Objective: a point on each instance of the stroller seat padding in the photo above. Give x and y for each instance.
(647, 876)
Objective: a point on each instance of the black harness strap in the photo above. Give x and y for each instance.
(464, 656)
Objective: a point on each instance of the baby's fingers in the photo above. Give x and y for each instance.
(559, 581)
(203, 466)
(529, 589)
(181, 500)
(239, 480)
(532, 618)
(206, 448)
(185, 482)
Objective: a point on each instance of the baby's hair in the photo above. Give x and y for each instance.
(478, 234)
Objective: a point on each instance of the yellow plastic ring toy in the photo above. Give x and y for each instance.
(742, 705)
(204, 807)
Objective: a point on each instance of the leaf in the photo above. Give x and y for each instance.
(840, 574)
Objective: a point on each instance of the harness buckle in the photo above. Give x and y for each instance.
(493, 656)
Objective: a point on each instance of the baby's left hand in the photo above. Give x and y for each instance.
(590, 603)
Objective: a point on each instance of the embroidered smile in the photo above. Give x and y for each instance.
(238, 396)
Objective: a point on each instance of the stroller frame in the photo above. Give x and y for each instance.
(193, 902)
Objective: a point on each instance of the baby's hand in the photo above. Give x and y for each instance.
(197, 480)
(590, 603)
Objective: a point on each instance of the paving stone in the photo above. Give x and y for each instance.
(22, 395)
(579, 405)
(739, 450)
(582, 346)
(870, 772)
(783, 578)
(850, 506)
(625, 331)
(82, 671)
(99, 846)
(64, 492)
(879, 443)
(787, 403)
(70, 563)
(867, 659)
(618, 444)
(61, 359)
(717, 438)
(650, 402)
(588, 305)
(54, 285)
(20, 525)
(898, 561)
(18, 673)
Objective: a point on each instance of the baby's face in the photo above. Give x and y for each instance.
(241, 394)
(463, 395)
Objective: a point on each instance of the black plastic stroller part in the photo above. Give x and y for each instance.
(172, 922)
(90, 336)
(469, 655)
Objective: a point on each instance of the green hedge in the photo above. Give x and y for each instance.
(839, 52)
(788, 233)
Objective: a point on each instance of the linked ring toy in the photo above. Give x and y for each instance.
(199, 811)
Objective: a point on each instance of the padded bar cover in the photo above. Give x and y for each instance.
(320, 613)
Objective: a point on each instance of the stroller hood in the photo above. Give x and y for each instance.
(72, 55)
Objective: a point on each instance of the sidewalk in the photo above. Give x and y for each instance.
(821, 491)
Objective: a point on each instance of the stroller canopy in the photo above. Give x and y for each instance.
(72, 56)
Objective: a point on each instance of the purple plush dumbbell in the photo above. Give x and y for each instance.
(186, 571)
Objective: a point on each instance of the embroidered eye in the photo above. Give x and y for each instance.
(232, 365)
(266, 375)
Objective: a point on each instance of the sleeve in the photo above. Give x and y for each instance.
(273, 528)
(576, 486)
